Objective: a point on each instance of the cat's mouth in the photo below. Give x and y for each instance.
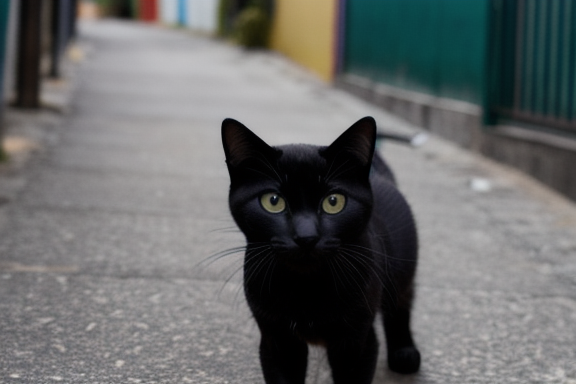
(319, 248)
(300, 257)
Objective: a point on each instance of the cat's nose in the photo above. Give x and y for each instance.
(305, 231)
(306, 242)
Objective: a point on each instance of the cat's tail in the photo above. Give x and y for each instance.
(413, 140)
(379, 165)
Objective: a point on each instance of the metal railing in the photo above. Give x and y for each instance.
(537, 68)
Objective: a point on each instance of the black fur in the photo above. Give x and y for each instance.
(320, 278)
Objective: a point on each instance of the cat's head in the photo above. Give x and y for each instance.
(302, 201)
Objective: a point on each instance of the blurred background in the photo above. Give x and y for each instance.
(119, 261)
(495, 76)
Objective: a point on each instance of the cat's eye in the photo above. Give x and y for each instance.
(273, 203)
(333, 203)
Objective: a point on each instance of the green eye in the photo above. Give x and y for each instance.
(334, 203)
(273, 203)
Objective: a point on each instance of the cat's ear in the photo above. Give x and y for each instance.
(241, 144)
(357, 142)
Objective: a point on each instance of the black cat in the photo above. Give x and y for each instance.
(330, 241)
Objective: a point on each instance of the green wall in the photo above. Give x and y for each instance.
(4, 13)
(432, 46)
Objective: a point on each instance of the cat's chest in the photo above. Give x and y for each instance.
(305, 307)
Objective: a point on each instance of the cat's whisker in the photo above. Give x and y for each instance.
(253, 262)
(206, 262)
(339, 273)
(357, 284)
(387, 256)
(332, 174)
(342, 171)
(230, 251)
(227, 230)
(272, 264)
(365, 260)
(231, 228)
(263, 247)
(252, 257)
(238, 269)
(377, 270)
(266, 162)
(328, 174)
(214, 258)
(333, 273)
(252, 271)
(271, 177)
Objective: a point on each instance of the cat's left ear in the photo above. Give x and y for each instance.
(357, 142)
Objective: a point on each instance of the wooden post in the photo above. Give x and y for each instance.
(59, 31)
(28, 76)
(72, 19)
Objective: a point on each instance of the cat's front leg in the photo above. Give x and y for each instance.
(283, 356)
(353, 359)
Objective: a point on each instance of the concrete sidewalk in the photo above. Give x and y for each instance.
(106, 273)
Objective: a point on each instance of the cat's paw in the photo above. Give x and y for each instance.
(404, 360)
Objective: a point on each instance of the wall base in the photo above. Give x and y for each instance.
(548, 158)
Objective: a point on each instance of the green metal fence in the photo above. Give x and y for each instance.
(431, 46)
(4, 14)
(534, 63)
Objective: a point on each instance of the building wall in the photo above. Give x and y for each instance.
(198, 15)
(168, 12)
(304, 30)
(201, 15)
(148, 10)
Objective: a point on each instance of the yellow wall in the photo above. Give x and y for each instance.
(304, 30)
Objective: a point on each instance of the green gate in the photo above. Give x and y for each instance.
(436, 47)
(534, 63)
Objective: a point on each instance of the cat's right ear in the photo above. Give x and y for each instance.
(241, 144)
(356, 144)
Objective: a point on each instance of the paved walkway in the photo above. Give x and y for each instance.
(104, 232)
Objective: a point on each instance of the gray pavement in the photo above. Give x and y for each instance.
(107, 231)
